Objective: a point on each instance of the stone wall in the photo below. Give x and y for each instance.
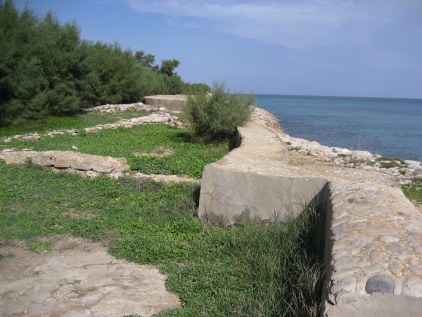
(249, 184)
(373, 233)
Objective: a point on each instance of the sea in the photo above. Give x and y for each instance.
(389, 127)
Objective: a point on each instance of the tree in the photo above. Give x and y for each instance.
(46, 69)
(168, 66)
(143, 59)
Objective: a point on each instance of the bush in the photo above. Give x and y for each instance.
(194, 89)
(215, 116)
(47, 69)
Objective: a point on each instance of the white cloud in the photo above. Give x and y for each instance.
(338, 25)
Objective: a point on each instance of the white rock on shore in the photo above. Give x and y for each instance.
(404, 170)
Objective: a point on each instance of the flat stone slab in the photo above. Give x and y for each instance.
(79, 278)
(64, 160)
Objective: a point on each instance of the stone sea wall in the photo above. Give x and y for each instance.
(373, 233)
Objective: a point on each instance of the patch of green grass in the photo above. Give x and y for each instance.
(413, 191)
(38, 245)
(249, 270)
(342, 155)
(189, 158)
(390, 162)
(70, 122)
(7, 255)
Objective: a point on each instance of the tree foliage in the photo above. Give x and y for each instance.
(168, 66)
(47, 69)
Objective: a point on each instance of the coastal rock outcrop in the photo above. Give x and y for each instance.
(404, 170)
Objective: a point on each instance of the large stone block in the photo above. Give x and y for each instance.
(229, 196)
(171, 102)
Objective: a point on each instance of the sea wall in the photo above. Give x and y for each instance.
(241, 187)
(373, 233)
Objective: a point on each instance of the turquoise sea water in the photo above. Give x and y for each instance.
(389, 127)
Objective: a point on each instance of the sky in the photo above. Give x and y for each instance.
(360, 48)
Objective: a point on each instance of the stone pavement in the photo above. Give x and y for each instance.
(375, 238)
(79, 278)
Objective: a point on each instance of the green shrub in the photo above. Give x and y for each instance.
(196, 88)
(215, 116)
(46, 69)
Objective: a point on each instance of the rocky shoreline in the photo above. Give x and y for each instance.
(405, 171)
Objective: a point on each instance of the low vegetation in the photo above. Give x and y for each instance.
(215, 116)
(413, 191)
(189, 158)
(250, 270)
(80, 121)
(390, 162)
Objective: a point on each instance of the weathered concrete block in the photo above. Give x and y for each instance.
(228, 197)
(171, 102)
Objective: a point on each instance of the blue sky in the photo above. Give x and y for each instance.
(305, 47)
